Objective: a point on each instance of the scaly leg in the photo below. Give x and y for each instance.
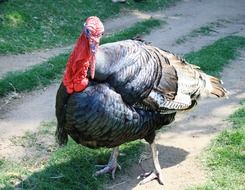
(156, 174)
(112, 164)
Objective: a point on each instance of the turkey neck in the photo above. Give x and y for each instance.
(102, 64)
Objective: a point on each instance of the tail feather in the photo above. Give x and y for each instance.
(216, 87)
(215, 80)
(61, 134)
(61, 100)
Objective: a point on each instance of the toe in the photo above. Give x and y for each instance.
(151, 176)
(148, 178)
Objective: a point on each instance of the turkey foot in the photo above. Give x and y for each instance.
(157, 174)
(149, 176)
(111, 166)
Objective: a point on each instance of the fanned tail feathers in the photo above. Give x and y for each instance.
(218, 90)
(214, 86)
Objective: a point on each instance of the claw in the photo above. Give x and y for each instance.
(111, 166)
(157, 174)
(151, 176)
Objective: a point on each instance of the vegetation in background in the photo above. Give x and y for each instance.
(37, 76)
(139, 28)
(225, 158)
(44, 74)
(203, 31)
(29, 25)
(214, 57)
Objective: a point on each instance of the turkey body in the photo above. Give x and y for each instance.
(137, 89)
(98, 117)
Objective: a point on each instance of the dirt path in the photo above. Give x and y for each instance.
(192, 132)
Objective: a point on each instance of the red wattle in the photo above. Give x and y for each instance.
(81, 86)
(75, 77)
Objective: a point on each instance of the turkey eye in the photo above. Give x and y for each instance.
(87, 31)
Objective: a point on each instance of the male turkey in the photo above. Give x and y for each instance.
(136, 90)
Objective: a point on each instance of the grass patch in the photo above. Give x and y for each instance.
(203, 31)
(226, 157)
(43, 74)
(29, 25)
(39, 75)
(139, 28)
(71, 167)
(10, 174)
(214, 57)
(35, 139)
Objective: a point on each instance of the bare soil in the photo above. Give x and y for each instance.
(179, 146)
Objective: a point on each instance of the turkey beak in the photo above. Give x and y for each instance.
(94, 43)
(93, 46)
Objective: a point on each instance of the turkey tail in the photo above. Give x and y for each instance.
(61, 100)
(214, 86)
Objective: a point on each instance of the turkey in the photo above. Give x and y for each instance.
(134, 90)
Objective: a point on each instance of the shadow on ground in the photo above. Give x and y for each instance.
(168, 156)
(75, 170)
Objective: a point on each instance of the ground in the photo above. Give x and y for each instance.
(180, 145)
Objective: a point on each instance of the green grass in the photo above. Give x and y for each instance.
(203, 30)
(214, 57)
(71, 167)
(43, 74)
(29, 25)
(225, 159)
(139, 28)
(37, 76)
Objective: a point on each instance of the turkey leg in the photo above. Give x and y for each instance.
(112, 164)
(156, 174)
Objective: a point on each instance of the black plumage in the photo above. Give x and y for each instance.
(137, 90)
(106, 121)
